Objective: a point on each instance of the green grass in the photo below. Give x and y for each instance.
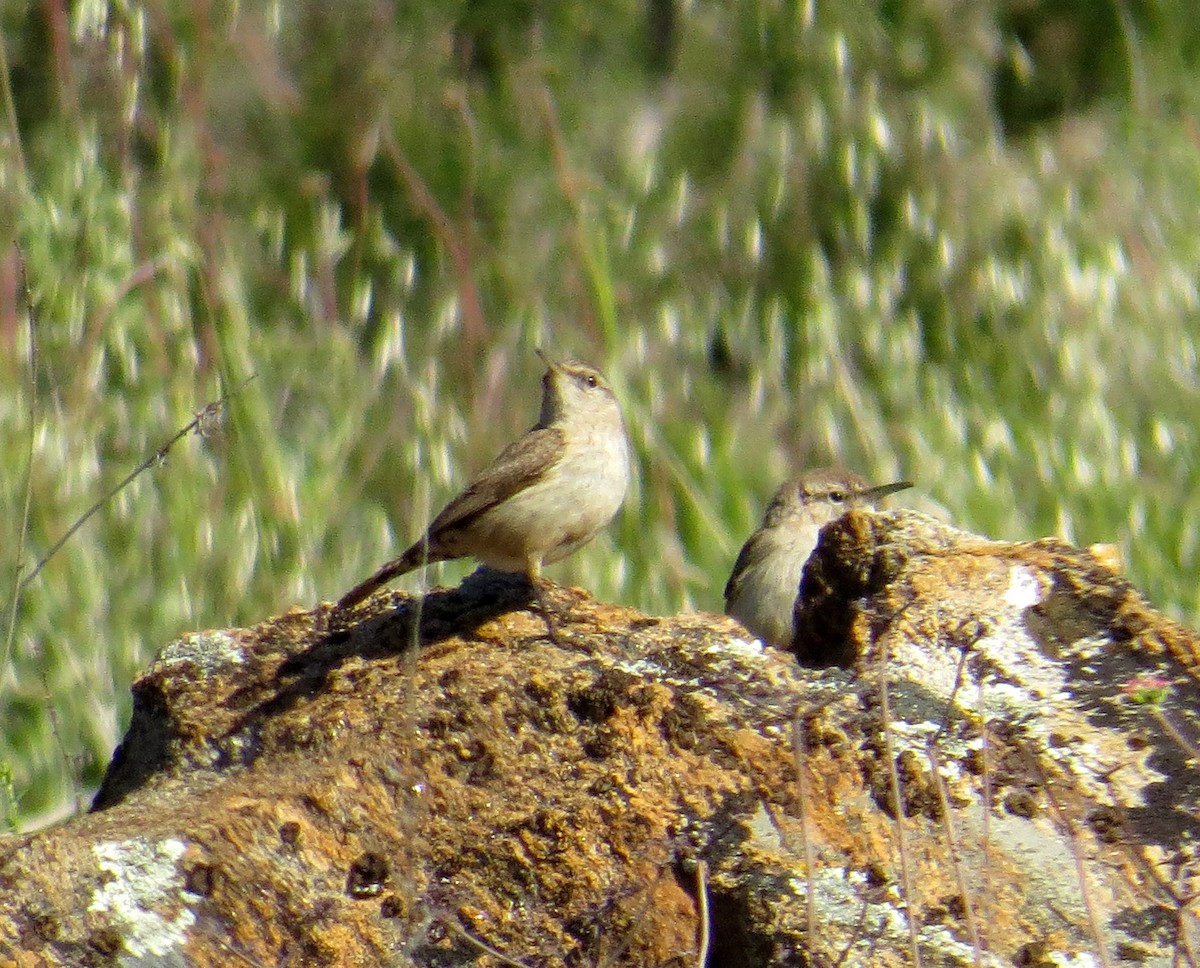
(791, 234)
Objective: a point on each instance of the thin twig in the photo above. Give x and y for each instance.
(1183, 937)
(1068, 826)
(18, 585)
(1173, 731)
(897, 797)
(810, 858)
(202, 418)
(639, 917)
(987, 795)
(935, 764)
(1178, 902)
(702, 901)
(592, 247)
(482, 945)
(69, 767)
(10, 110)
(856, 935)
(973, 923)
(458, 243)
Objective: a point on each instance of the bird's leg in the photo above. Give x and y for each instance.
(545, 608)
(534, 571)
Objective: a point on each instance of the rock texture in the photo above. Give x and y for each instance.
(987, 758)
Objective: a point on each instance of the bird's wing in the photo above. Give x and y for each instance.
(749, 555)
(523, 462)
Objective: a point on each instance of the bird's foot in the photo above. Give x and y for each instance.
(554, 614)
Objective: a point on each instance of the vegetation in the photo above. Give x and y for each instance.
(949, 241)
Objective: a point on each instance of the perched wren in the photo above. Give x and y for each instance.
(546, 495)
(761, 593)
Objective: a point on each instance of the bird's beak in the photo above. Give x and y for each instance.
(883, 490)
(551, 363)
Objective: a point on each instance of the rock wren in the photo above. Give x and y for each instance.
(761, 593)
(546, 495)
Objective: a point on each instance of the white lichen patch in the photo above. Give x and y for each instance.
(746, 648)
(649, 669)
(1020, 665)
(919, 733)
(839, 897)
(952, 747)
(1002, 672)
(726, 655)
(1068, 960)
(142, 885)
(953, 950)
(1051, 890)
(762, 830)
(1025, 588)
(1094, 759)
(211, 651)
(1091, 647)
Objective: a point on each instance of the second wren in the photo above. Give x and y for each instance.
(762, 590)
(547, 494)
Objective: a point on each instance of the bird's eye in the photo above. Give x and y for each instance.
(837, 496)
(592, 380)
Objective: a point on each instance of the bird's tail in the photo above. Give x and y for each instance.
(414, 557)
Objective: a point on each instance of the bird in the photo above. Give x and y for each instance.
(545, 496)
(762, 589)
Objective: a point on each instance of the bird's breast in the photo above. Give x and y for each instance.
(563, 509)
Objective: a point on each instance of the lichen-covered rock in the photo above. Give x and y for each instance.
(992, 765)
(1043, 723)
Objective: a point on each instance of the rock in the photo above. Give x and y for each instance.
(989, 756)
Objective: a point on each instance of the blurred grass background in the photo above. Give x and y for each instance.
(951, 241)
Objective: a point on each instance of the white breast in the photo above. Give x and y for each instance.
(765, 598)
(563, 511)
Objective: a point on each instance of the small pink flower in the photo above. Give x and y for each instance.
(1148, 690)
